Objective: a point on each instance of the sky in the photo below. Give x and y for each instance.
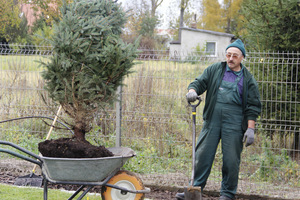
(165, 11)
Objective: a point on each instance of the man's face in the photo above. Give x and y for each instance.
(234, 58)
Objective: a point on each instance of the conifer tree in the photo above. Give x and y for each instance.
(272, 24)
(89, 59)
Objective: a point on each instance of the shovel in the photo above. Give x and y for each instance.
(193, 192)
(32, 179)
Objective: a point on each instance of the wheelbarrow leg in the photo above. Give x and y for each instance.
(45, 189)
(75, 193)
(85, 192)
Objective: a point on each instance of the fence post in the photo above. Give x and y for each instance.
(118, 116)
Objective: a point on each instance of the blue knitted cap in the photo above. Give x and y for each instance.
(240, 45)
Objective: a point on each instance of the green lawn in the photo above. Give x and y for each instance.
(10, 192)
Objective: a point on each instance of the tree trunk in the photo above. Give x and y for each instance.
(182, 8)
(81, 126)
(228, 28)
(79, 133)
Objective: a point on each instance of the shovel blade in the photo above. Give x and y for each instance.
(29, 180)
(192, 193)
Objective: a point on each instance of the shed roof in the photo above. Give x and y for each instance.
(209, 32)
(204, 31)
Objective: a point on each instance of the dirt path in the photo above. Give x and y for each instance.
(156, 193)
(10, 169)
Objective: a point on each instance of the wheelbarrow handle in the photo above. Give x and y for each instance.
(38, 161)
(21, 156)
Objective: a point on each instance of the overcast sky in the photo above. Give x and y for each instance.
(165, 9)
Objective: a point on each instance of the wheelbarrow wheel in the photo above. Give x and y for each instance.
(127, 180)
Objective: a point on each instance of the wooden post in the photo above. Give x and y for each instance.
(192, 193)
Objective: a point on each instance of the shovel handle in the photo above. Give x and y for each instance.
(194, 106)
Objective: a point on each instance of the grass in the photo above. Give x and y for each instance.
(21, 63)
(9, 192)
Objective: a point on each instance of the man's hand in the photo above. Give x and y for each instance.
(191, 96)
(249, 136)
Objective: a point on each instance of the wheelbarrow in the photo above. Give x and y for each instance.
(88, 172)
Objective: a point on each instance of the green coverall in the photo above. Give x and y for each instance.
(225, 124)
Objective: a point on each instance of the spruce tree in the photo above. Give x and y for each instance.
(89, 59)
(274, 25)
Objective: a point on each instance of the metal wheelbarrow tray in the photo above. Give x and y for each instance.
(85, 169)
(79, 171)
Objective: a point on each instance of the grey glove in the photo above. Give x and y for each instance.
(191, 96)
(249, 135)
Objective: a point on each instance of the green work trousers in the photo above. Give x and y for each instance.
(225, 125)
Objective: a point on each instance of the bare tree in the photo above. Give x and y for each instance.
(154, 5)
(183, 5)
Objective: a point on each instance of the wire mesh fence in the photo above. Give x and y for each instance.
(156, 120)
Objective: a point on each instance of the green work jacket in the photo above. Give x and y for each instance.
(210, 80)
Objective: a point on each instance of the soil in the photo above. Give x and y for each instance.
(10, 169)
(163, 187)
(156, 193)
(9, 175)
(72, 148)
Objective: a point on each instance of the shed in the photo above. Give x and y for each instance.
(210, 43)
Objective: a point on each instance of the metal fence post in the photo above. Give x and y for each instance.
(118, 116)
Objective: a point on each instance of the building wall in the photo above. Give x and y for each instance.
(29, 13)
(32, 15)
(190, 38)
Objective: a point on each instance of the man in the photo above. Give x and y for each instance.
(231, 107)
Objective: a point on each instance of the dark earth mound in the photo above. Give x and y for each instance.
(72, 148)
